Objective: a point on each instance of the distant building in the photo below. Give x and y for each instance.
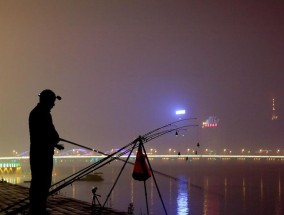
(212, 121)
(274, 112)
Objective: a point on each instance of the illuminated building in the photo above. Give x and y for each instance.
(211, 122)
(10, 167)
(274, 114)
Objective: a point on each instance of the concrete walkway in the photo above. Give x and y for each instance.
(11, 195)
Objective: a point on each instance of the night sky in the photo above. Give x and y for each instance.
(124, 67)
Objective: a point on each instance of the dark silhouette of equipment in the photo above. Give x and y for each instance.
(95, 203)
(130, 208)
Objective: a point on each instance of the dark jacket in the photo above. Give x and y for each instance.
(43, 136)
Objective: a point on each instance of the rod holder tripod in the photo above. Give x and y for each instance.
(95, 202)
(141, 142)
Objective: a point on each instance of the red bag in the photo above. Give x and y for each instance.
(141, 171)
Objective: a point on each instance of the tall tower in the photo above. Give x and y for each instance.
(274, 114)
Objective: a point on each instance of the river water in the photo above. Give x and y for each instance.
(197, 187)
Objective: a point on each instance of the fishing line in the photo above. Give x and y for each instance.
(77, 176)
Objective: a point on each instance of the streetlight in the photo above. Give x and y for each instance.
(15, 152)
(180, 113)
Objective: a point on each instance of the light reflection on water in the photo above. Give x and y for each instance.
(182, 197)
(213, 188)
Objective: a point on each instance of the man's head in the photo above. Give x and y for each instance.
(47, 98)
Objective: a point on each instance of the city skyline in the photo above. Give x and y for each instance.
(155, 151)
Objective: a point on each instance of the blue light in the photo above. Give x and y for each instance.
(180, 112)
(183, 198)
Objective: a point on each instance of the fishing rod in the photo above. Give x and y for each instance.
(77, 176)
(167, 125)
(158, 134)
(81, 173)
(147, 137)
(144, 137)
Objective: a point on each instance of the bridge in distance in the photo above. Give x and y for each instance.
(164, 157)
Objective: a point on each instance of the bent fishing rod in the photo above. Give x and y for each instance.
(146, 138)
(111, 157)
(77, 176)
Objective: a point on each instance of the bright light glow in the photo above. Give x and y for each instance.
(180, 112)
(212, 121)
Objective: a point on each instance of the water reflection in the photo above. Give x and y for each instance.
(182, 198)
(261, 189)
(225, 187)
(278, 206)
(279, 187)
(205, 203)
(152, 192)
(132, 190)
(13, 179)
(231, 188)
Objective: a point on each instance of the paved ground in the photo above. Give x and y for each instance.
(11, 195)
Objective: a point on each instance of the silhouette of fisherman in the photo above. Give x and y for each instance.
(43, 139)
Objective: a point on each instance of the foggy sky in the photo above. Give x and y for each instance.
(124, 67)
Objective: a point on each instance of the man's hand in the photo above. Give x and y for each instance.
(59, 146)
